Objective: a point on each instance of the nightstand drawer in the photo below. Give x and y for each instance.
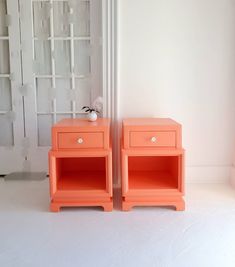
(153, 139)
(80, 140)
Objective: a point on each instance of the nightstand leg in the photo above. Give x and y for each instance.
(54, 207)
(126, 206)
(108, 206)
(180, 206)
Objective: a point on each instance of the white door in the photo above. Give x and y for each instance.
(55, 57)
(62, 67)
(12, 141)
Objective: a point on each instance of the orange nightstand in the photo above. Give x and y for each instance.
(80, 164)
(152, 163)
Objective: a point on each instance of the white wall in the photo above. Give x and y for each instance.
(177, 59)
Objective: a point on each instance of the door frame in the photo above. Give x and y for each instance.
(110, 78)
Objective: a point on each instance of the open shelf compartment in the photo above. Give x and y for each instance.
(153, 172)
(81, 173)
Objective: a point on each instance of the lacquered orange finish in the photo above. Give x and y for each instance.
(81, 172)
(139, 131)
(146, 139)
(97, 134)
(88, 140)
(152, 163)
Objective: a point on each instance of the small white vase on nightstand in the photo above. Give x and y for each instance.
(92, 116)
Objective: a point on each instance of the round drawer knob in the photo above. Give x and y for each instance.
(80, 140)
(154, 139)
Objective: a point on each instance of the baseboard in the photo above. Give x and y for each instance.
(208, 174)
(232, 179)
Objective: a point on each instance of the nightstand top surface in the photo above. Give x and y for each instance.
(149, 122)
(100, 122)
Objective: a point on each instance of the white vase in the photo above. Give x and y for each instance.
(92, 116)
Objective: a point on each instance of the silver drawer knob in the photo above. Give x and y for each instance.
(80, 140)
(154, 139)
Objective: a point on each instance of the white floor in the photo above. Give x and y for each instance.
(203, 235)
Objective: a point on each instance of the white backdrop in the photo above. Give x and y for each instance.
(177, 59)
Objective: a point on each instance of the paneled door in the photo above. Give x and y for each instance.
(52, 62)
(62, 67)
(11, 101)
